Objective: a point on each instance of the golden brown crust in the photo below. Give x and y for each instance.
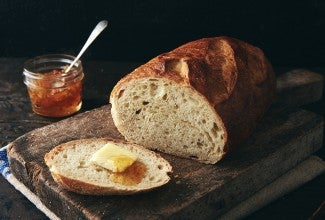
(253, 94)
(84, 188)
(235, 77)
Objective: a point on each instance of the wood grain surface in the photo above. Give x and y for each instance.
(283, 138)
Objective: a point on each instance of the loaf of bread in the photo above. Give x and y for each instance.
(199, 101)
(70, 166)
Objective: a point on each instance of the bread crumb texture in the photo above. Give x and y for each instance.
(160, 114)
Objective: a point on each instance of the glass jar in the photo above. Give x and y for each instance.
(53, 92)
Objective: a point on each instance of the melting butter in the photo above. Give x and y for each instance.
(113, 157)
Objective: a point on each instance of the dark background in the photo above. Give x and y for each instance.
(290, 32)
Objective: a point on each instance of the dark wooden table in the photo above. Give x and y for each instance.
(17, 118)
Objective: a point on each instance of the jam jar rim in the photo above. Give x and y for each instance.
(64, 58)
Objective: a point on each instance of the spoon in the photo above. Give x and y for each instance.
(97, 30)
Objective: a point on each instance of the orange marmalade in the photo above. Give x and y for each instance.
(53, 92)
(132, 175)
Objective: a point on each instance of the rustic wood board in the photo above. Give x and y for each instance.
(282, 139)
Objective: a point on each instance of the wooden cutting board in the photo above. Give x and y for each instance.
(285, 136)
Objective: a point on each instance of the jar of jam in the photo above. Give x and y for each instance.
(53, 92)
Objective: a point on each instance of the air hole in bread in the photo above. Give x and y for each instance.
(151, 178)
(215, 129)
(218, 150)
(144, 87)
(120, 93)
(126, 105)
(82, 164)
(160, 166)
(164, 97)
(153, 80)
(65, 156)
(203, 121)
(145, 103)
(194, 157)
(176, 106)
(153, 86)
(135, 97)
(185, 146)
(221, 137)
(138, 111)
(99, 169)
(199, 144)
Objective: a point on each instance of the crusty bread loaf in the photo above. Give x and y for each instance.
(199, 101)
(70, 166)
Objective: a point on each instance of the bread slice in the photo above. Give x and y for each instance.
(199, 101)
(70, 167)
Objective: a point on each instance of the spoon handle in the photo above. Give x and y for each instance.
(97, 30)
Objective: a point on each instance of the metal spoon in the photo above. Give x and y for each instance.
(97, 30)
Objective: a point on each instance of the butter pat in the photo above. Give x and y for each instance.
(113, 157)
